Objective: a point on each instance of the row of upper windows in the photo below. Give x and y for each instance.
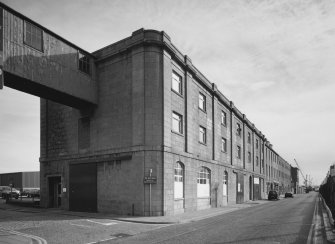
(177, 87)
(177, 126)
(33, 37)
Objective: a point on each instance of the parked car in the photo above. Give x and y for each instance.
(273, 195)
(31, 192)
(10, 192)
(288, 194)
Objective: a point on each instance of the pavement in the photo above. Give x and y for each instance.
(328, 221)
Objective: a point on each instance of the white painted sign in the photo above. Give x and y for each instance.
(64, 189)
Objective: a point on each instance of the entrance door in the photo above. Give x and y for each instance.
(83, 187)
(250, 188)
(239, 188)
(55, 192)
(257, 188)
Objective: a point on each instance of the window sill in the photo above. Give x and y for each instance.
(177, 133)
(178, 199)
(202, 110)
(177, 93)
(224, 151)
(34, 48)
(202, 143)
(83, 72)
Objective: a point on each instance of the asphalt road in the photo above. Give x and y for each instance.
(288, 220)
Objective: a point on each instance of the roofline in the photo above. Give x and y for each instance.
(4, 6)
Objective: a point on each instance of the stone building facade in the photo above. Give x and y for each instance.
(155, 137)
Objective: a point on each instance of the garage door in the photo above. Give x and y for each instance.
(83, 187)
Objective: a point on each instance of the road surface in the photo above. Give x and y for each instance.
(292, 220)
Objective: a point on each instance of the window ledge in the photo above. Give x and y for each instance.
(34, 48)
(205, 144)
(177, 133)
(178, 199)
(202, 110)
(177, 93)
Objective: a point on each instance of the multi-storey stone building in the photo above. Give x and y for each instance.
(138, 129)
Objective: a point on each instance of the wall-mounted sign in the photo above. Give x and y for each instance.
(64, 189)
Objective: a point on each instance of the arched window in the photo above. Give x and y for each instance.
(178, 180)
(203, 180)
(225, 183)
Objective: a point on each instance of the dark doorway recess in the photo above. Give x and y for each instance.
(239, 188)
(55, 192)
(83, 187)
(257, 189)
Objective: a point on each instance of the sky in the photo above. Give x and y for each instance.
(274, 59)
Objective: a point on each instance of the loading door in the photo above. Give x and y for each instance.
(83, 187)
(239, 188)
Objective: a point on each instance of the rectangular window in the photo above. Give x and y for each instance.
(249, 157)
(223, 144)
(202, 101)
(33, 36)
(202, 135)
(177, 123)
(256, 143)
(257, 161)
(84, 63)
(249, 137)
(238, 152)
(177, 83)
(223, 118)
(238, 129)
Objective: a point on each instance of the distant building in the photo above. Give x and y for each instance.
(21, 180)
(295, 179)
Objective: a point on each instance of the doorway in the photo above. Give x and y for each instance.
(55, 192)
(83, 187)
(239, 188)
(250, 188)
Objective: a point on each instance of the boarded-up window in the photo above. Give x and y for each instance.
(84, 62)
(84, 133)
(33, 36)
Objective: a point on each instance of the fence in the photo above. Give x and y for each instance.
(327, 190)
